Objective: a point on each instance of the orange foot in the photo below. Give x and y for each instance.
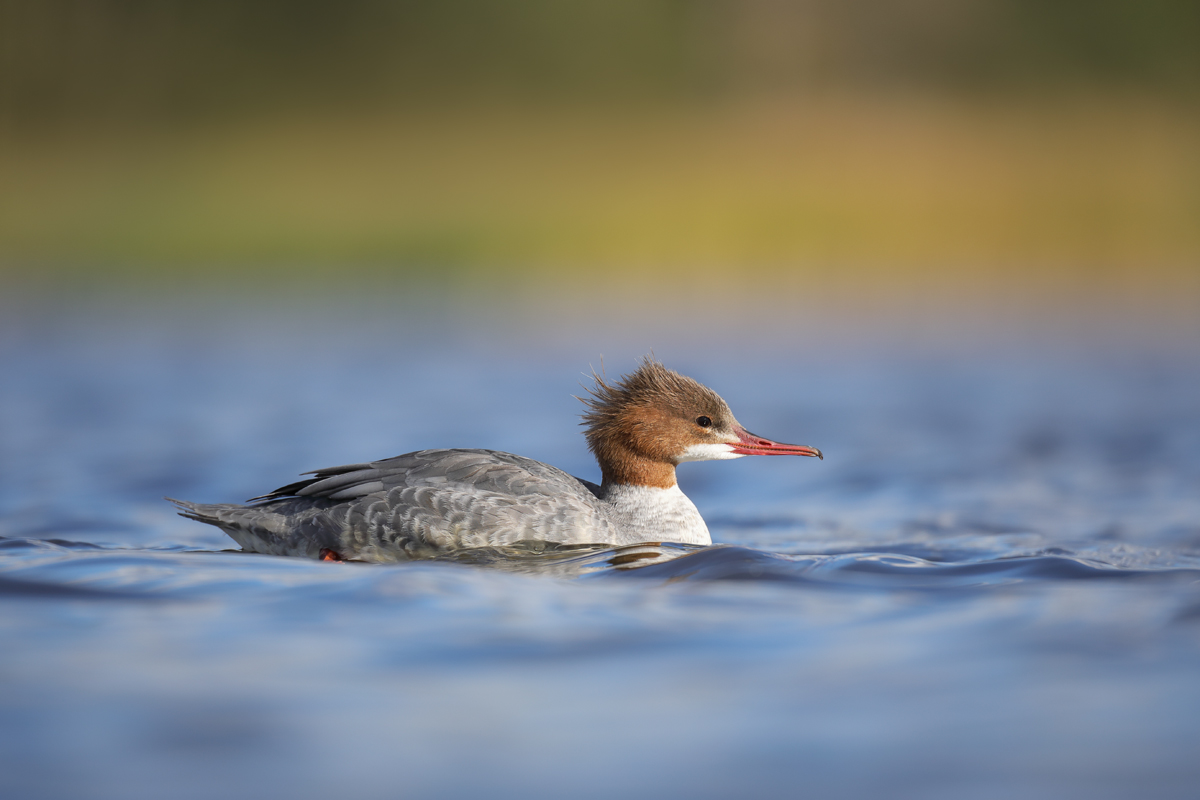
(330, 555)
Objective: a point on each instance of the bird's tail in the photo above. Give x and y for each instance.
(200, 512)
(258, 529)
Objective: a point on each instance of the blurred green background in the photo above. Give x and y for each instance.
(939, 142)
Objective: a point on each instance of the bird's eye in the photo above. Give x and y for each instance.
(704, 422)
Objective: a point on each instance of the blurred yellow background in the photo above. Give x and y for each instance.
(536, 141)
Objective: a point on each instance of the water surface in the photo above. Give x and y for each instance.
(989, 588)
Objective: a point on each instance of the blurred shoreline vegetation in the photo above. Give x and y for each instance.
(525, 139)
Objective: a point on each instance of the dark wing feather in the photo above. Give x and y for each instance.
(312, 487)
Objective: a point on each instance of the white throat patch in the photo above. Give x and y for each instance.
(709, 451)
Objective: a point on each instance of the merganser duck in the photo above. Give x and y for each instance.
(433, 502)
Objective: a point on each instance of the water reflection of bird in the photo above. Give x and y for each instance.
(434, 501)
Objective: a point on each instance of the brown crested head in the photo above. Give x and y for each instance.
(640, 427)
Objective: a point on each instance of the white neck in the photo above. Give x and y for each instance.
(650, 514)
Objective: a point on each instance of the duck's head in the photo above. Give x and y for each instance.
(653, 419)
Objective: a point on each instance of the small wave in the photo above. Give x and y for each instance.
(13, 587)
(881, 570)
(17, 543)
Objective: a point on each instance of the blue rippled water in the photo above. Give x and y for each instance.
(989, 588)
